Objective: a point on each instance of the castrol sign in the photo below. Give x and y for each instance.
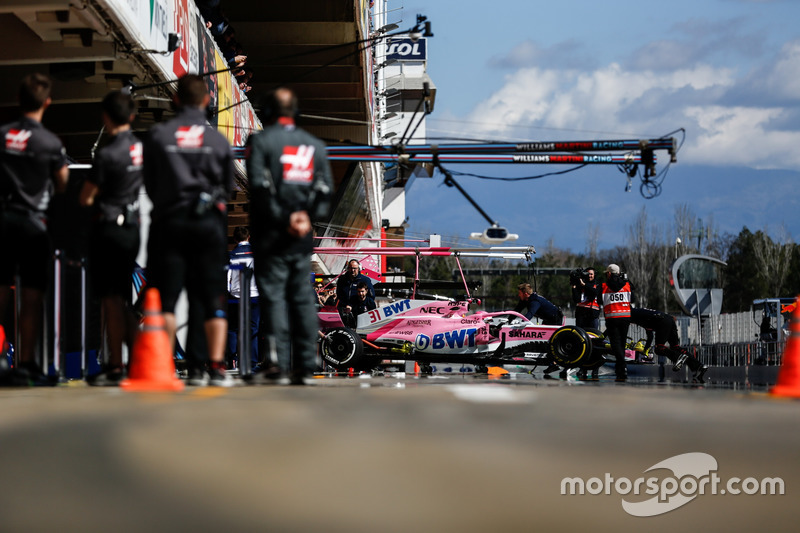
(407, 49)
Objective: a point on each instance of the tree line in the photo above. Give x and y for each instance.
(758, 265)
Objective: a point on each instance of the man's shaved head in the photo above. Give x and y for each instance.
(282, 103)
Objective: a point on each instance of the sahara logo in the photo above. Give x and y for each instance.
(522, 334)
(693, 474)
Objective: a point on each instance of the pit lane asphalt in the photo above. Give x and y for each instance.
(397, 452)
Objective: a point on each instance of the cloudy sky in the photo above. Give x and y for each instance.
(726, 71)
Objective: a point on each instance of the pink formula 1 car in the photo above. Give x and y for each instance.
(428, 331)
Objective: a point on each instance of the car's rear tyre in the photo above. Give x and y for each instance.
(570, 347)
(599, 347)
(596, 333)
(342, 348)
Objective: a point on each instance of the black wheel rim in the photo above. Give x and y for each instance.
(339, 348)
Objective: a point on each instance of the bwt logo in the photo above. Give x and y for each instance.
(17, 140)
(396, 308)
(693, 474)
(298, 163)
(190, 136)
(452, 339)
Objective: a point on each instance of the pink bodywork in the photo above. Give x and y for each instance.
(446, 327)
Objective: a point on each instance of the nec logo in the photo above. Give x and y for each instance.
(17, 140)
(298, 163)
(190, 136)
(136, 154)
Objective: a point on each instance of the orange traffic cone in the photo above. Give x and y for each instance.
(789, 374)
(152, 367)
(497, 371)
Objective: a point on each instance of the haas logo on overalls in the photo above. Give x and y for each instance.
(298, 163)
(17, 140)
(136, 154)
(190, 136)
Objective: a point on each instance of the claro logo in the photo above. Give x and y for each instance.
(693, 474)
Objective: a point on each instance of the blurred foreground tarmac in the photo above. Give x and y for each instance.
(454, 452)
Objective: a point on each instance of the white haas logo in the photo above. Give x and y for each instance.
(190, 136)
(298, 163)
(136, 154)
(17, 140)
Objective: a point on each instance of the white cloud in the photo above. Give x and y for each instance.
(784, 79)
(601, 100)
(617, 101)
(741, 136)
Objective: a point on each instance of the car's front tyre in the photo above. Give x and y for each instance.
(342, 348)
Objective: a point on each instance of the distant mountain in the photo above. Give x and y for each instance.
(563, 207)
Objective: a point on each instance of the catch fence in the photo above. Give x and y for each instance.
(732, 339)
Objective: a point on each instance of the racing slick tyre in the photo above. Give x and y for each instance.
(570, 347)
(594, 333)
(342, 348)
(599, 347)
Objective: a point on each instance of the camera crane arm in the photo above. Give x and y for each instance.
(494, 233)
